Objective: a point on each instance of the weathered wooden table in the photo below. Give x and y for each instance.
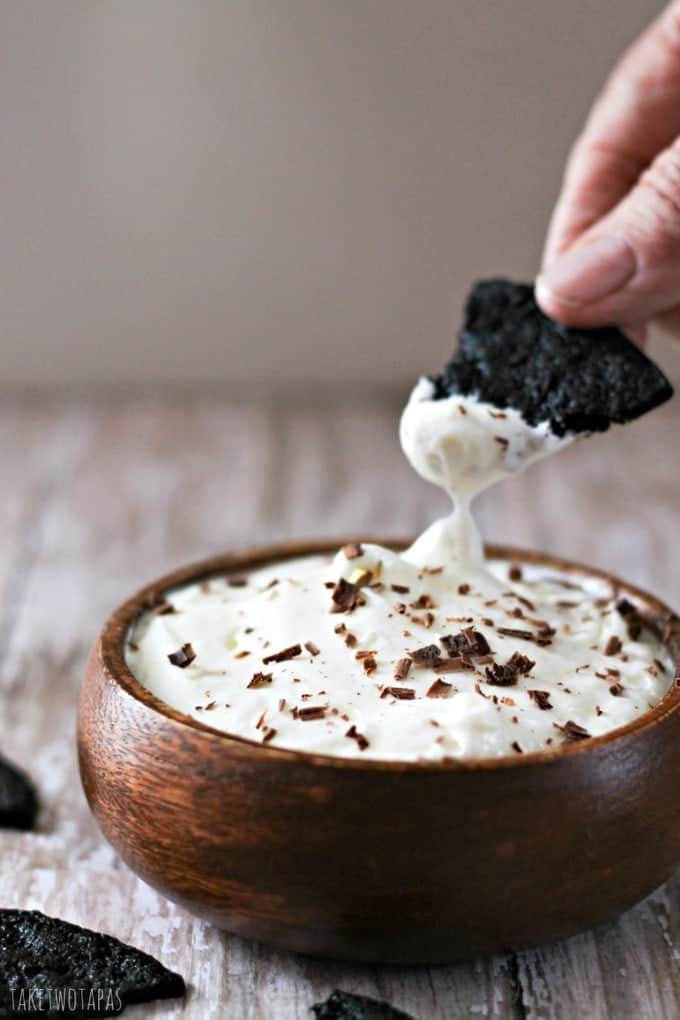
(101, 495)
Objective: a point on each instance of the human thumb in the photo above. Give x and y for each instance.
(626, 267)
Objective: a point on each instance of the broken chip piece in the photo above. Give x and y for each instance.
(346, 1006)
(580, 380)
(45, 955)
(18, 800)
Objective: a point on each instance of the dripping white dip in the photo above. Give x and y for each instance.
(342, 691)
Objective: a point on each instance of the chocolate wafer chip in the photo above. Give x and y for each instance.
(18, 799)
(47, 957)
(346, 1006)
(579, 380)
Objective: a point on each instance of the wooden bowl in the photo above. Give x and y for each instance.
(373, 860)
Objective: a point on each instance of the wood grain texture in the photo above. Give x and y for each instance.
(101, 495)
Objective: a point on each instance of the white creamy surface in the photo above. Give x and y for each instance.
(338, 694)
(465, 446)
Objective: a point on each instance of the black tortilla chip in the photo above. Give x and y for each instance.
(18, 800)
(580, 380)
(345, 1006)
(49, 957)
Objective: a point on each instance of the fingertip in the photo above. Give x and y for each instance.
(556, 306)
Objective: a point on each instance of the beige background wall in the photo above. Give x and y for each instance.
(244, 189)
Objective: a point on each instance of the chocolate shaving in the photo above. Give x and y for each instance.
(312, 648)
(515, 746)
(183, 657)
(501, 675)
(310, 712)
(633, 618)
(463, 589)
(345, 596)
(260, 680)
(401, 693)
(507, 674)
(502, 441)
(353, 550)
(401, 668)
(616, 688)
(370, 665)
(361, 740)
(424, 621)
(283, 655)
(572, 731)
(400, 589)
(439, 689)
(613, 646)
(426, 655)
(423, 602)
(525, 635)
(163, 609)
(468, 642)
(269, 734)
(522, 663)
(454, 664)
(515, 573)
(542, 699)
(237, 582)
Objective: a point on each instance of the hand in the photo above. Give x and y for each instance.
(613, 248)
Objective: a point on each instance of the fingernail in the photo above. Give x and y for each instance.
(588, 272)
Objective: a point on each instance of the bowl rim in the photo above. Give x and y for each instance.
(111, 643)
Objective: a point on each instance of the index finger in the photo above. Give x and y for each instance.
(636, 115)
